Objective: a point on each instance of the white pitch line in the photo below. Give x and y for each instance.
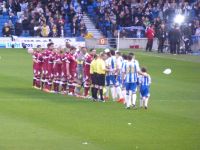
(177, 100)
(159, 56)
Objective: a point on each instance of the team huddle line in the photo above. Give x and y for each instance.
(68, 70)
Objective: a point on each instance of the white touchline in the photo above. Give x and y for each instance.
(181, 59)
(177, 100)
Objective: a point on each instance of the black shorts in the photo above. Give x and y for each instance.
(94, 78)
(101, 79)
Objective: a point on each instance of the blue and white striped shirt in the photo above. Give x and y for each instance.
(131, 72)
(112, 65)
(145, 80)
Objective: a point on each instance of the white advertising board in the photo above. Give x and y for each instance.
(18, 42)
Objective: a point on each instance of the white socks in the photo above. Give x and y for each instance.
(146, 102)
(134, 96)
(141, 102)
(128, 99)
(123, 93)
(107, 91)
(119, 92)
(113, 92)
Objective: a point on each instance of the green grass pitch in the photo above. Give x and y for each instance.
(33, 120)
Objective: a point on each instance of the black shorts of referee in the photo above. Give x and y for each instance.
(94, 78)
(101, 79)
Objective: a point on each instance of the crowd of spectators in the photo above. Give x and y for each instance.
(109, 15)
(58, 18)
(43, 18)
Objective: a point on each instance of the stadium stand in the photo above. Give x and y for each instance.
(110, 15)
(64, 18)
(54, 18)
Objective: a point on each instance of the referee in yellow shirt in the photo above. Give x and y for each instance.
(101, 72)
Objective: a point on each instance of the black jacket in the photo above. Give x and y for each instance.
(18, 29)
(162, 34)
(174, 35)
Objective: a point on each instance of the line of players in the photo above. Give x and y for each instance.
(65, 71)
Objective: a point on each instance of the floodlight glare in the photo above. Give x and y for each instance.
(179, 19)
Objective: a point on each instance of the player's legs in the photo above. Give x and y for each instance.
(107, 86)
(144, 92)
(96, 85)
(59, 79)
(134, 96)
(71, 87)
(119, 92)
(95, 91)
(34, 77)
(87, 85)
(86, 89)
(128, 99)
(93, 85)
(79, 71)
(38, 79)
(113, 87)
(141, 101)
(50, 83)
(56, 82)
(50, 77)
(71, 84)
(64, 79)
(44, 78)
(55, 85)
(146, 100)
(124, 91)
(145, 95)
(64, 85)
(101, 85)
(128, 95)
(119, 89)
(124, 94)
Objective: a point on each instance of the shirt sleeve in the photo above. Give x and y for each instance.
(34, 57)
(140, 79)
(137, 66)
(149, 79)
(124, 68)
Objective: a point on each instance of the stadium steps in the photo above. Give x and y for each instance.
(91, 27)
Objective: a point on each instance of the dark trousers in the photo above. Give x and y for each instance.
(149, 45)
(174, 47)
(161, 45)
